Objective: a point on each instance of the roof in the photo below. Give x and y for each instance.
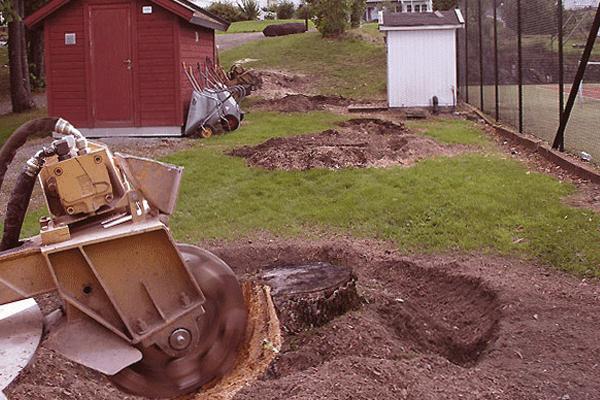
(430, 20)
(185, 9)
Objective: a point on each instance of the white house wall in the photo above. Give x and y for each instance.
(421, 64)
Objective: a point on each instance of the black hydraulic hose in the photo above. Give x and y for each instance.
(16, 210)
(21, 195)
(18, 139)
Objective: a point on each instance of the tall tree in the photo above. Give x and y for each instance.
(20, 87)
(357, 11)
(35, 47)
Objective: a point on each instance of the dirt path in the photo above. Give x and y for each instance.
(231, 40)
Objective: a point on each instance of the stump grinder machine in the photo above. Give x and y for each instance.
(160, 319)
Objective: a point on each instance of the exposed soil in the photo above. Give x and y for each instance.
(302, 103)
(277, 84)
(431, 327)
(436, 327)
(363, 142)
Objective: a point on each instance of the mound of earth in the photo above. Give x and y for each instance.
(277, 84)
(430, 328)
(472, 327)
(357, 143)
(302, 103)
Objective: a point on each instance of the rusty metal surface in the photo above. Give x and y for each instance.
(87, 343)
(24, 274)
(158, 182)
(221, 329)
(21, 326)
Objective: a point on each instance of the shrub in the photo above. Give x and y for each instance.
(331, 16)
(302, 11)
(226, 11)
(356, 12)
(249, 9)
(285, 10)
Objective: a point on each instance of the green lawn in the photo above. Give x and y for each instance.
(540, 116)
(348, 67)
(482, 202)
(10, 122)
(259, 26)
(475, 202)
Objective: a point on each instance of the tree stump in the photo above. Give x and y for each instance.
(311, 295)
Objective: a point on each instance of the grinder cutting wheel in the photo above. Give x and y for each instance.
(160, 319)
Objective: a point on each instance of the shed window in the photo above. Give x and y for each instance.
(408, 8)
(417, 8)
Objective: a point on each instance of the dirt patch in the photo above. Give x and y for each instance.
(431, 327)
(358, 143)
(434, 327)
(302, 103)
(277, 84)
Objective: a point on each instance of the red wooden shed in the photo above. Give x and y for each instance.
(113, 67)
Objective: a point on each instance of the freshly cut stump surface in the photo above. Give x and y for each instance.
(311, 295)
(357, 143)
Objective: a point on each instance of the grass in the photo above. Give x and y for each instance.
(259, 26)
(540, 114)
(10, 122)
(475, 202)
(348, 67)
(372, 29)
(451, 131)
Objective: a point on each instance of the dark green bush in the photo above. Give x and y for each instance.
(331, 16)
(249, 9)
(357, 10)
(285, 10)
(226, 11)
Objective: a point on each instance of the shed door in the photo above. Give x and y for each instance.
(111, 65)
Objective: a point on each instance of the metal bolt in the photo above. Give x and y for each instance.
(180, 339)
(142, 326)
(58, 171)
(44, 222)
(185, 300)
(98, 160)
(70, 210)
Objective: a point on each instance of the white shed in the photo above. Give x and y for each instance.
(421, 53)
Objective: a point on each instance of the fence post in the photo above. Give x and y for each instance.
(520, 63)
(585, 57)
(480, 23)
(467, 51)
(561, 72)
(496, 90)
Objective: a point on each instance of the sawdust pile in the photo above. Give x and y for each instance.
(358, 143)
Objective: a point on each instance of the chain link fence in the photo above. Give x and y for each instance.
(517, 60)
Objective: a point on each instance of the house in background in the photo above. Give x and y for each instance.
(399, 6)
(114, 68)
(421, 50)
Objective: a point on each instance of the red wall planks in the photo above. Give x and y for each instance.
(162, 41)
